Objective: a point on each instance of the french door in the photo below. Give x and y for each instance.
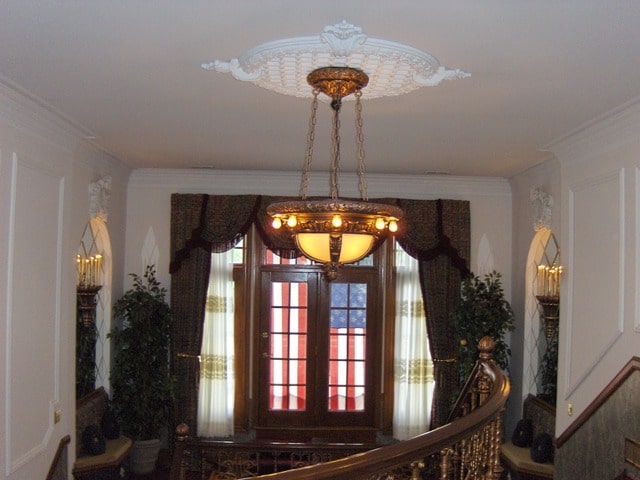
(319, 349)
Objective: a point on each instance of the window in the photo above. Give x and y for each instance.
(317, 359)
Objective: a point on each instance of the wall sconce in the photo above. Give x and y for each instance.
(548, 296)
(87, 300)
(88, 271)
(550, 307)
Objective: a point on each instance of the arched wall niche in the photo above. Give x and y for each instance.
(544, 250)
(95, 240)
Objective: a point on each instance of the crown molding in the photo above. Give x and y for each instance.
(27, 113)
(604, 133)
(235, 182)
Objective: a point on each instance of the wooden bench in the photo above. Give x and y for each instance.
(107, 465)
(517, 460)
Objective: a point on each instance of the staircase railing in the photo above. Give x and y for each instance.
(468, 447)
(59, 470)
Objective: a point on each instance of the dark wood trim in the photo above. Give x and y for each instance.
(631, 366)
(242, 349)
(64, 442)
(388, 280)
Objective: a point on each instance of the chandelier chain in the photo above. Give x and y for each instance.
(335, 231)
(362, 181)
(336, 103)
(304, 181)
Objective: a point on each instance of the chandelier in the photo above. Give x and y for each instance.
(335, 231)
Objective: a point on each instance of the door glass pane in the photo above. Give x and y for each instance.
(288, 346)
(347, 340)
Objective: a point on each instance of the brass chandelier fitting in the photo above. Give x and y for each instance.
(335, 231)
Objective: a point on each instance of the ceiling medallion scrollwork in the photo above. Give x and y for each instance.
(283, 65)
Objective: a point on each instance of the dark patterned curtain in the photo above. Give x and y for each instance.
(437, 233)
(277, 240)
(200, 224)
(434, 232)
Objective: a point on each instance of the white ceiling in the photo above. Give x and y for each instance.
(128, 72)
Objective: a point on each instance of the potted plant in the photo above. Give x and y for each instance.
(481, 311)
(549, 371)
(140, 377)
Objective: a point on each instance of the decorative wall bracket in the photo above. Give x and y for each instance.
(100, 198)
(541, 205)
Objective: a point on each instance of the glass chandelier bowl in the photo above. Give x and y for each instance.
(335, 231)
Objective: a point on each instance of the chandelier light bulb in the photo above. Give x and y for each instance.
(292, 221)
(380, 223)
(277, 223)
(336, 221)
(393, 226)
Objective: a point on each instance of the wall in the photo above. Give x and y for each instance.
(45, 171)
(599, 318)
(545, 176)
(595, 182)
(589, 453)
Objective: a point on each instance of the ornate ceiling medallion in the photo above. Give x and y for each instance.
(283, 65)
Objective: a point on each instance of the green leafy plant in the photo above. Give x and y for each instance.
(86, 336)
(482, 311)
(140, 378)
(549, 370)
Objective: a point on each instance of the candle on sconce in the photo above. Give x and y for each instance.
(79, 268)
(548, 281)
(558, 277)
(98, 267)
(540, 279)
(88, 270)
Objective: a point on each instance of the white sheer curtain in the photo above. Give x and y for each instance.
(216, 392)
(413, 368)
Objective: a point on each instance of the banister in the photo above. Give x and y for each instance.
(58, 467)
(363, 465)
(632, 365)
(481, 424)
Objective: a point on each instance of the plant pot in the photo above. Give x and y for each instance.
(144, 455)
